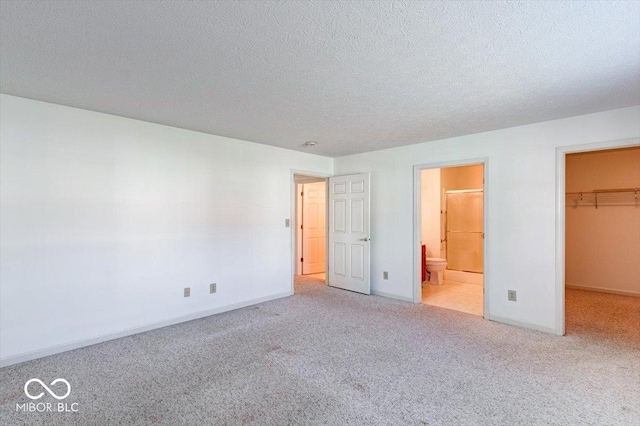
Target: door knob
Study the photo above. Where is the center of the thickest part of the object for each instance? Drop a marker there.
(365, 239)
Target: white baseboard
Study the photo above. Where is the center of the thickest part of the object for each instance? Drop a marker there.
(392, 296)
(604, 290)
(52, 350)
(521, 324)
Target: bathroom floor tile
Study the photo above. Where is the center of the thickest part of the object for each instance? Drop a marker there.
(454, 295)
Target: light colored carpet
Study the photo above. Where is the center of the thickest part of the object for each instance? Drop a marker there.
(331, 357)
(598, 317)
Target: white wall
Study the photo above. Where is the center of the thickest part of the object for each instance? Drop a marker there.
(430, 211)
(520, 184)
(104, 220)
(603, 244)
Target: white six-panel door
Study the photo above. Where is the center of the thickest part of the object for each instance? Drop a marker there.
(349, 242)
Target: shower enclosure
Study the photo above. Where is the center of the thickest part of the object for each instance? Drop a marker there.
(464, 230)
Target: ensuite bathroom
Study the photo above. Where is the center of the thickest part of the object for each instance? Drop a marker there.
(452, 237)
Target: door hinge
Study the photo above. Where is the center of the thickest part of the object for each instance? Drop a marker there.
(301, 227)
(301, 260)
(301, 194)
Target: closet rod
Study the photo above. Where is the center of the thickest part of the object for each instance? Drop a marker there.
(603, 191)
(618, 190)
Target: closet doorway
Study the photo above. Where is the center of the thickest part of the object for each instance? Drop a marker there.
(602, 244)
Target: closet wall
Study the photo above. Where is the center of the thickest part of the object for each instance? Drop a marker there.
(603, 244)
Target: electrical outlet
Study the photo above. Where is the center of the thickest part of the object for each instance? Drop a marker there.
(212, 288)
(287, 223)
(187, 291)
(385, 275)
(511, 295)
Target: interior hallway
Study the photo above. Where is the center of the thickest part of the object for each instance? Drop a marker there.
(320, 276)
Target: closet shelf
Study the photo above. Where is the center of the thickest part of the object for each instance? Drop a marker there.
(604, 197)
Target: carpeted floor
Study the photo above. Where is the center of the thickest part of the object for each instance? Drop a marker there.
(602, 317)
(331, 357)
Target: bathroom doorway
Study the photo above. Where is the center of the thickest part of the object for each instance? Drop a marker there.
(451, 223)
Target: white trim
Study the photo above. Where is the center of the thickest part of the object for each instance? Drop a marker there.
(604, 290)
(293, 222)
(521, 324)
(561, 153)
(417, 273)
(391, 296)
(298, 251)
(52, 350)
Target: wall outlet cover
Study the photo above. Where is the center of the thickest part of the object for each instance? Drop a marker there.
(187, 291)
(511, 295)
(212, 288)
(385, 275)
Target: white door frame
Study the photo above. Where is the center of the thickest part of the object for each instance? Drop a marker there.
(561, 153)
(417, 225)
(293, 221)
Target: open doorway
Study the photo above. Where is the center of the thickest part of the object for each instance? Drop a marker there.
(451, 221)
(602, 244)
(310, 229)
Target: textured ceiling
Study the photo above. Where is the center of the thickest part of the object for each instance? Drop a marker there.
(354, 76)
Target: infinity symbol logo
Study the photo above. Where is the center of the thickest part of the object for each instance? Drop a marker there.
(26, 390)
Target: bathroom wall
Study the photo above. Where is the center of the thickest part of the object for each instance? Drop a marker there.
(603, 245)
(430, 211)
(433, 184)
(468, 245)
(465, 177)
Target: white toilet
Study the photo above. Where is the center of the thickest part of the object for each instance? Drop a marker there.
(435, 269)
